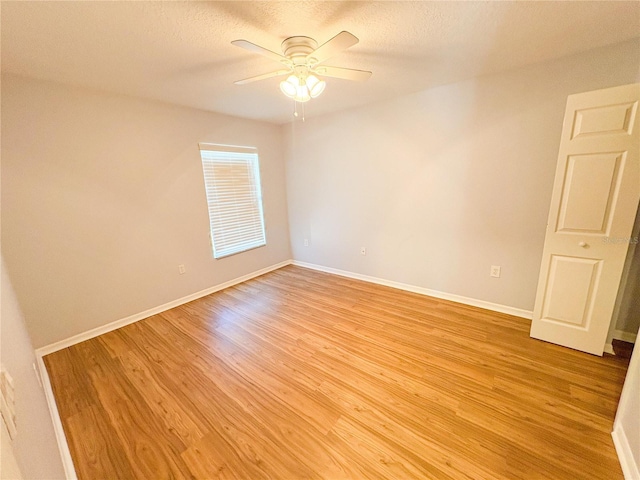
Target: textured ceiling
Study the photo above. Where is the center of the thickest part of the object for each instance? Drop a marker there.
(180, 52)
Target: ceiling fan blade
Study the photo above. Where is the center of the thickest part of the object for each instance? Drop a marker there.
(345, 73)
(277, 73)
(337, 44)
(252, 47)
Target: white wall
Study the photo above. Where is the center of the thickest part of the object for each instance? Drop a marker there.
(103, 198)
(441, 184)
(34, 446)
(629, 316)
(627, 308)
(9, 468)
(626, 429)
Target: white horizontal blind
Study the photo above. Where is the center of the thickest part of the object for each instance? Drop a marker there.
(234, 196)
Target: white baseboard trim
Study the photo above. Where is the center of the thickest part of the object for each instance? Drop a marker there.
(630, 469)
(94, 332)
(518, 312)
(63, 446)
(625, 336)
(608, 348)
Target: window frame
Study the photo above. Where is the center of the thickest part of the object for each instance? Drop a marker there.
(250, 157)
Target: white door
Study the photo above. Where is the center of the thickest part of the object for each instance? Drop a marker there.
(593, 207)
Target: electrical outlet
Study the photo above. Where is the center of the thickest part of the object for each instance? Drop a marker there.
(306, 242)
(181, 269)
(363, 250)
(495, 271)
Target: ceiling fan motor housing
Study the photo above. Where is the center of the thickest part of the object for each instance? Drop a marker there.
(297, 49)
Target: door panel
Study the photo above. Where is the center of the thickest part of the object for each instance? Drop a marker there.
(589, 193)
(604, 119)
(570, 291)
(593, 206)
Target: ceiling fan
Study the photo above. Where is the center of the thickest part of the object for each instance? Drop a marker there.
(303, 60)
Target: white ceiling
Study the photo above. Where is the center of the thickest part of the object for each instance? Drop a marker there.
(180, 52)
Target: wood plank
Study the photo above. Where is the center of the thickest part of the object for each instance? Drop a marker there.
(300, 374)
(96, 442)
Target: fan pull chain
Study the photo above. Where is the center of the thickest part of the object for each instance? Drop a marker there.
(295, 109)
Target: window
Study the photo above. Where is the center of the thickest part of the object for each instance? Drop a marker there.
(234, 196)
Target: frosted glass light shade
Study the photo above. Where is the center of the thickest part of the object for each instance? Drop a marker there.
(302, 95)
(315, 86)
(302, 90)
(290, 86)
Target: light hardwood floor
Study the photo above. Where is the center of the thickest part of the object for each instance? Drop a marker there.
(300, 374)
